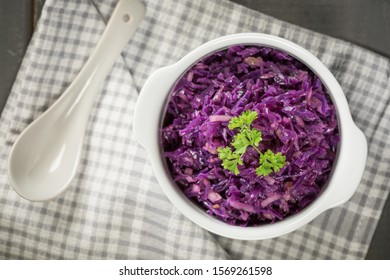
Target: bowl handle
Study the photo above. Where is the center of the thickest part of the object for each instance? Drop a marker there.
(149, 107)
(349, 174)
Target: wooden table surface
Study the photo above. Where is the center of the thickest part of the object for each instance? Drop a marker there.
(363, 22)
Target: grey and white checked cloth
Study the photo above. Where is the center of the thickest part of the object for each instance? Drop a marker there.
(114, 208)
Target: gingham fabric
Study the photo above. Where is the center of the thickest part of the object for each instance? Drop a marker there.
(114, 208)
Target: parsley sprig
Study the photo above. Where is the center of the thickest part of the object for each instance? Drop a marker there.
(269, 161)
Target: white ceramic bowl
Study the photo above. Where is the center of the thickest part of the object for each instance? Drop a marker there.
(347, 170)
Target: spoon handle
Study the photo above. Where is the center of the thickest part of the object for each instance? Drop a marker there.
(122, 25)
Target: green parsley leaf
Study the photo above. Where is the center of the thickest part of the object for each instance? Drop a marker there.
(264, 169)
(241, 142)
(248, 117)
(229, 159)
(231, 165)
(255, 137)
(225, 153)
(270, 161)
(242, 121)
(235, 122)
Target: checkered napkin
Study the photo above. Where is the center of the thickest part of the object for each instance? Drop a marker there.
(114, 208)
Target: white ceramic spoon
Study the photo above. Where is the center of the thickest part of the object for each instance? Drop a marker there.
(44, 159)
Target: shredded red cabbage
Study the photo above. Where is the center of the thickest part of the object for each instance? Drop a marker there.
(296, 118)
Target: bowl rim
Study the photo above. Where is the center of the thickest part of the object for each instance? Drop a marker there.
(164, 79)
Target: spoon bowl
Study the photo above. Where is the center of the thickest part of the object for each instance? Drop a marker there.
(45, 157)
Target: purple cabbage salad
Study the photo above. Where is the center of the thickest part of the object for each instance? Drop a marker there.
(296, 119)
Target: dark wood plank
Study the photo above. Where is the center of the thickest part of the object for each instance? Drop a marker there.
(15, 29)
(380, 244)
(37, 8)
(366, 23)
